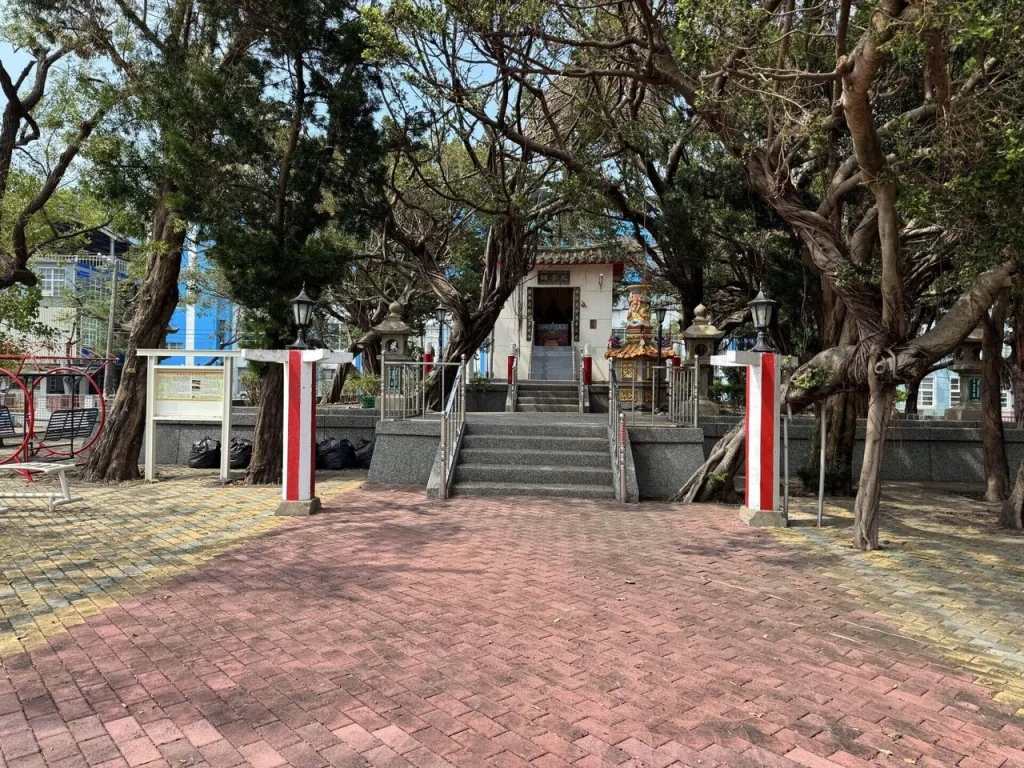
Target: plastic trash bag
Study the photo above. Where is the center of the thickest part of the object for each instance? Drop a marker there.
(333, 453)
(240, 453)
(364, 453)
(205, 454)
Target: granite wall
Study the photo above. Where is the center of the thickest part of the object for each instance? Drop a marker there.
(664, 458)
(915, 450)
(174, 438)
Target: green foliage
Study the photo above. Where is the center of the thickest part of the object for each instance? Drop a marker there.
(19, 315)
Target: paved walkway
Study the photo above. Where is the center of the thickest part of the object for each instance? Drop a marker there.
(390, 631)
(948, 576)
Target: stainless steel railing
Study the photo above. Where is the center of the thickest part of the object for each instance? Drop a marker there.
(514, 386)
(680, 384)
(405, 384)
(581, 390)
(617, 422)
(453, 426)
(683, 394)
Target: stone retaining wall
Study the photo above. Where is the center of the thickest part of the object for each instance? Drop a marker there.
(927, 450)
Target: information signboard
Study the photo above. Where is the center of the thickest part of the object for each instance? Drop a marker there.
(190, 392)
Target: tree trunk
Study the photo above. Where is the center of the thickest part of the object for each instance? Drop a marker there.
(333, 396)
(869, 491)
(1012, 515)
(997, 471)
(716, 478)
(115, 456)
(465, 341)
(913, 392)
(268, 434)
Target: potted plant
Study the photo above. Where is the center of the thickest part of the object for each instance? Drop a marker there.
(369, 386)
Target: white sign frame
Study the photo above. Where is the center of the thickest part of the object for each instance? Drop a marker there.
(152, 417)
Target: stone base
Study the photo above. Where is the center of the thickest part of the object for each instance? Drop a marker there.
(970, 412)
(708, 408)
(762, 518)
(299, 508)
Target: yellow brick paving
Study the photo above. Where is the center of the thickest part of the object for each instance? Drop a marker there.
(60, 568)
(947, 577)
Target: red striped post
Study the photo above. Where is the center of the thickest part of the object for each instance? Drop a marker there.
(299, 464)
(762, 442)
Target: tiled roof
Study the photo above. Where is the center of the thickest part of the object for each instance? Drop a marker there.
(610, 253)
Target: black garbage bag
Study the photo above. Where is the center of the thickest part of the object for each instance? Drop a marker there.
(333, 453)
(205, 454)
(364, 452)
(240, 453)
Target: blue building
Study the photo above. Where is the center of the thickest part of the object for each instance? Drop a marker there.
(203, 319)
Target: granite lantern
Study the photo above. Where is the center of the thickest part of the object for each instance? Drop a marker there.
(394, 335)
(701, 342)
(967, 364)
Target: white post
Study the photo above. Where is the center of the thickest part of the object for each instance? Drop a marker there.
(108, 372)
(821, 467)
(298, 489)
(225, 422)
(150, 421)
(761, 497)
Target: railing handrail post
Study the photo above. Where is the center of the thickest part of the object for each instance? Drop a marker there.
(383, 386)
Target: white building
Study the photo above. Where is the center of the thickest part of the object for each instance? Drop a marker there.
(564, 304)
(68, 283)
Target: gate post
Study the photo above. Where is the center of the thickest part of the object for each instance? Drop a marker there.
(298, 475)
(762, 424)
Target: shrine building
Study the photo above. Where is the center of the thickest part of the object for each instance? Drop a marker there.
(563, 304)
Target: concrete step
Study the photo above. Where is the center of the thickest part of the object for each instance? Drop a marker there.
(548, 386)
(547, 407)
(563, 445)
(559, 430)
(490, 456)
(475, 488)
(536, 398)
(534, 475)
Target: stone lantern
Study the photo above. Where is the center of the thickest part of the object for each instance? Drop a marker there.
(967, 364)
(701, 342)
(394, 335)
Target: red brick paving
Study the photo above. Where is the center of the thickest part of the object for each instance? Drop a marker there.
(394, 632)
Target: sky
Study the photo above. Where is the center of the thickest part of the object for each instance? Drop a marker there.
(13, 61)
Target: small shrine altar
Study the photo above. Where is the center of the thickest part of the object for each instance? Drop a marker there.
(636, 360)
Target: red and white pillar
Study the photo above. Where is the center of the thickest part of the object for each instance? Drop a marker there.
(763, 435)
(298, 486)
(299, 470)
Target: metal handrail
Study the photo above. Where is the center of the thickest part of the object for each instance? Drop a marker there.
(453, 426)
(515, 376)
(580, 387)
(617, 422)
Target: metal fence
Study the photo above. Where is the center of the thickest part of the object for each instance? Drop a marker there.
(405, 386)
(678, 384)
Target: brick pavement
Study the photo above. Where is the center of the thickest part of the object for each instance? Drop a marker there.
(949, 576)
(390, 631)
(60, 568)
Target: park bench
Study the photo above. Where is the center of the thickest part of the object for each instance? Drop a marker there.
(66, 426)
(7, 425)
(53, 498)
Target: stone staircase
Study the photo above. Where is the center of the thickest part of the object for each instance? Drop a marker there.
(517, 459)
(547, 397)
